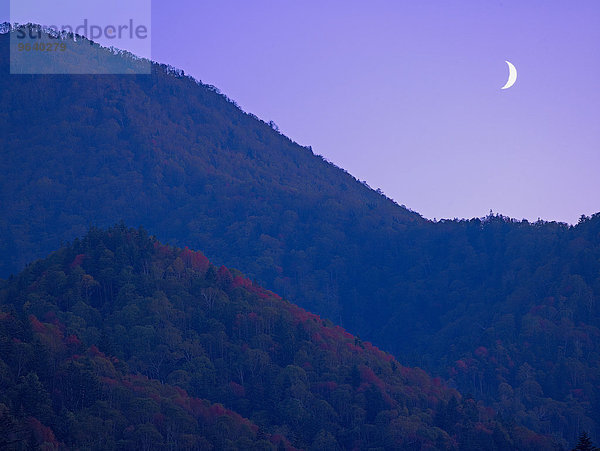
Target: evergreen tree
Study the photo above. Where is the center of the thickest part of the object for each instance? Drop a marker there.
(585, 443)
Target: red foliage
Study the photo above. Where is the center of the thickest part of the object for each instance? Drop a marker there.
(50, 317)
(378, 352)
(72, 340)
(481, 428)
(94, 351)
(367, 375)
(180, 391)
(300, 315)
(110, 382)
(201, 408)
(237, 389)
(36, 325)
(195, 260)
(481, 351)
(461, 365)
(316, 337)
(353, 347)
(242, 282)
(77, 261)
(577, 392)
(489, 412)
(224, 276)
(162, 249)
(278, 439)
(43, 434)
(273, 295)
(344, 333)
(217, 410)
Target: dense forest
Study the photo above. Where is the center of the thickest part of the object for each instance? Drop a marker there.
(118, 341)
(505, 310)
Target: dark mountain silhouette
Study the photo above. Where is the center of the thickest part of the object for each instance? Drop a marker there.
(505, 310)
(120, 330)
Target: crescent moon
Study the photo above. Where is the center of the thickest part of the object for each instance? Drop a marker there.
(512, 75)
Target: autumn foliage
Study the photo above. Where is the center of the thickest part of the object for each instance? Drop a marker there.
(175, 352)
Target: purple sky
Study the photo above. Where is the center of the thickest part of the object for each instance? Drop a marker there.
(406, 94)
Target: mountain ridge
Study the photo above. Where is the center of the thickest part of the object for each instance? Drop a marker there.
(125, 304)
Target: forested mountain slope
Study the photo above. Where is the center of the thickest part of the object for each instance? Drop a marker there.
(508, 311)
(108, 342)
(176, 156)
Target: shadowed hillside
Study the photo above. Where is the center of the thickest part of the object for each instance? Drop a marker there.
(120, 329)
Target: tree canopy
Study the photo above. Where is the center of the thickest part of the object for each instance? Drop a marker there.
(118, 340)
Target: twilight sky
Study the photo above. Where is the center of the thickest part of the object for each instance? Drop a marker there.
(406, 94)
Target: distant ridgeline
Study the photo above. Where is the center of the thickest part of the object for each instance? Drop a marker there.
(35, 49)
(120, 342)
(507, 311)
